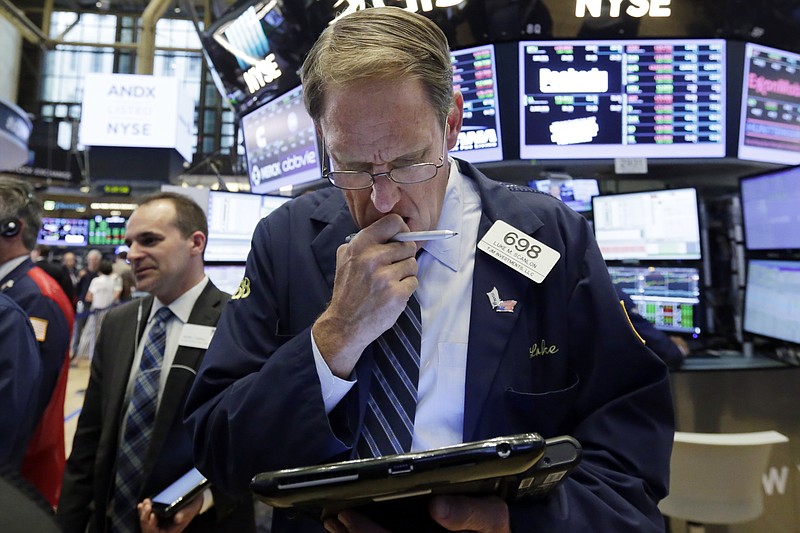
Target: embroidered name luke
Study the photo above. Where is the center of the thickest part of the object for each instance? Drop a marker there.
(543, 349)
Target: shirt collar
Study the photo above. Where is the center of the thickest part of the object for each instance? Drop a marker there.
(9, 266)
(182, 306)
(447, 251)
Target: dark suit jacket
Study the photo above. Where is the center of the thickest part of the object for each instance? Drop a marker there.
(566, 361)
(89, 477)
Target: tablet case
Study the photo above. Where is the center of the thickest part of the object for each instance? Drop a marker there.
(395, 489)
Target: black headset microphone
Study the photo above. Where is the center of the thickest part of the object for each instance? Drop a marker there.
(9, 227)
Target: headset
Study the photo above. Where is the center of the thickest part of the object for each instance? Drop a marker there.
(11, 226)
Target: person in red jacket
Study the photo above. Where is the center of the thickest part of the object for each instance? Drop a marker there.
(51, 315)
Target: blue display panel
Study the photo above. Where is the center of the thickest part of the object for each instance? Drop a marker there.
(772, 299)
(281, 144)
(668, 297)
(770, 211)
(770, 120)
(63, 232)
(576, 193)
(609, 99)
(475, 75)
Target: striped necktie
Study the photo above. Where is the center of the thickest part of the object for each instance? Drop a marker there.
(389, 420)
(139, 419)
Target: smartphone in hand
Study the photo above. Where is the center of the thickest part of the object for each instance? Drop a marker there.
(175, 497)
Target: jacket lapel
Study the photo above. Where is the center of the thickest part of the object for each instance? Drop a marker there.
(489, 330)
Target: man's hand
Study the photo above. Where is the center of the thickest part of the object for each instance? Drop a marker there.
(455, 513)
(374, 280)
(149, 521)
(463, 513)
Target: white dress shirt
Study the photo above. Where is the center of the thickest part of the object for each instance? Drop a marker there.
(445, 294)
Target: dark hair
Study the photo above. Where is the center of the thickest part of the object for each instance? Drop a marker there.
(105, 267)
(17, 201)
(189, 217)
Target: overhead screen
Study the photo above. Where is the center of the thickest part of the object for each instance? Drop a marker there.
(281, 144)
(770, 118)
(475, 75)
(771, 210)
(648, 225)
(63, 232)
(106, 230)
(668, 297)
(232, 218)
(611, 99)
(772, 299)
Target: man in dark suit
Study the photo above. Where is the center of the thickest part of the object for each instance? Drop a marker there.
(521, 330)
(167, 237)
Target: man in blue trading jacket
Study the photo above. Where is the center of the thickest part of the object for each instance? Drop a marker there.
(286, 380)
(51, 315)
(112, 472)
(19, 382)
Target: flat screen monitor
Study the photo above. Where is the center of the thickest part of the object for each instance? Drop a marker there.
(107, 230)
(475, 75)
(232, 218)
(770, 120)
(771, 210)
(648, 225)
(772, 299)
(576, 193)
(281, 144)
(255, 50)
(622, 99)
(226, 277)
(63, 232)
(668, 297)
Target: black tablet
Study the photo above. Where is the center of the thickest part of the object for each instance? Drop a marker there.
(512, 467)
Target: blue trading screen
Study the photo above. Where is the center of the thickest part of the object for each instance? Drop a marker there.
(772, 299)
(668, 297)
(63, 232)
(769, 209)
(608, 99)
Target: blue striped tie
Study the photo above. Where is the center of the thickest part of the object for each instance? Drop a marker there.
(389, 420)
(139, 419)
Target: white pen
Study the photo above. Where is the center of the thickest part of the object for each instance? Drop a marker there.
(410, 236)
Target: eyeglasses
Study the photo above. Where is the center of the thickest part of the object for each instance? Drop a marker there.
(352, 180)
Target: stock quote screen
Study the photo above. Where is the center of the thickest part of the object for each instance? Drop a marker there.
(668, 297)
(475, 75)
(770, 120)
(607, 99)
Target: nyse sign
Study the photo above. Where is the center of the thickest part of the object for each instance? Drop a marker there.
(636, 9)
